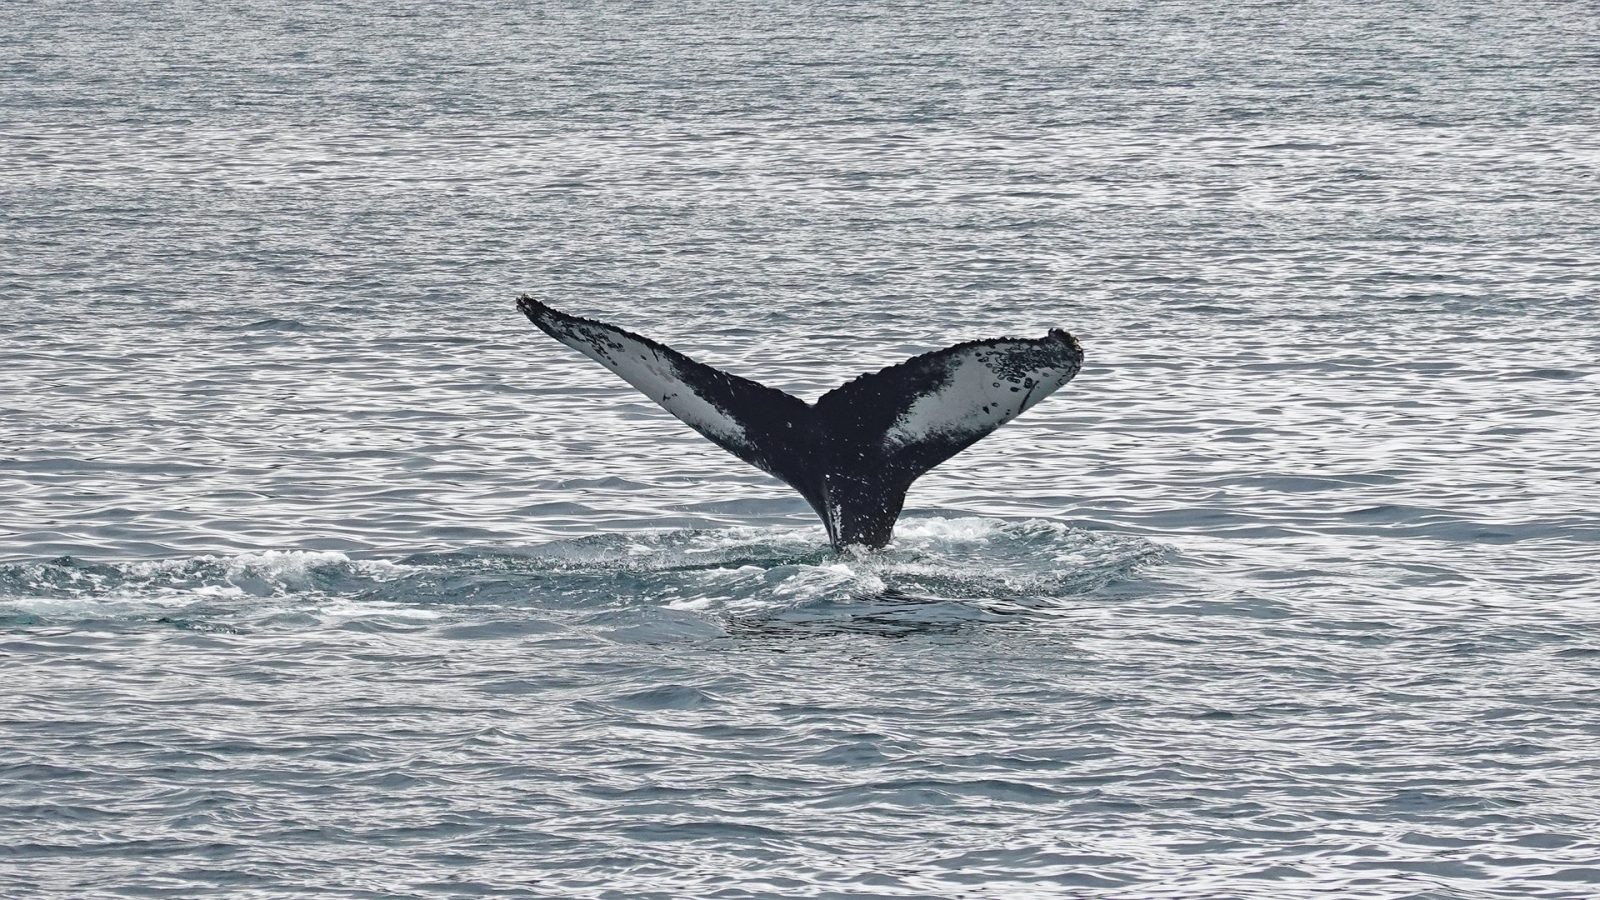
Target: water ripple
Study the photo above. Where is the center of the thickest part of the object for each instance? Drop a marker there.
(321, 573)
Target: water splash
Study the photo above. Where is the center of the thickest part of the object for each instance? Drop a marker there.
(739, 572)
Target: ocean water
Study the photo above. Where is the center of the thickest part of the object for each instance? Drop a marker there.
(322, 573)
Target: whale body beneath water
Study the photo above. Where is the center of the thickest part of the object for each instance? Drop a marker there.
(853, 453)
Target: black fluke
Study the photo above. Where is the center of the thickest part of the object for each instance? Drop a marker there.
(855, 452)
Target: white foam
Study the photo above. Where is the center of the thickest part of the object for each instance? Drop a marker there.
(282, 564)
(841, 580)
(964, 530)
(158, 586)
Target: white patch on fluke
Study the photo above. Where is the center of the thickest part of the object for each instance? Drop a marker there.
(640, 365)
(976, 399)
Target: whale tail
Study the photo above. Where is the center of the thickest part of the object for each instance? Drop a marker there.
(855, 452)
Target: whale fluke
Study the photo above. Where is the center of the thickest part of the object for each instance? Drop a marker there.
(854, 453)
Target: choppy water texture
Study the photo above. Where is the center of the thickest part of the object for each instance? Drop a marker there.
(323, 574)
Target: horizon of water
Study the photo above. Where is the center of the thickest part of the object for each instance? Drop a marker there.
(323, 572)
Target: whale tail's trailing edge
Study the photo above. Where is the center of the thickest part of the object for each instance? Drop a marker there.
(855, 452)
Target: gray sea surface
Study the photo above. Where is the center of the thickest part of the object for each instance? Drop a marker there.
(322, 573)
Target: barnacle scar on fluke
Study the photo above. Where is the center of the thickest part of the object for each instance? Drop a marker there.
(855, 452)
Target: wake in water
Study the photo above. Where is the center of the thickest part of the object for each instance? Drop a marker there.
(968, 569)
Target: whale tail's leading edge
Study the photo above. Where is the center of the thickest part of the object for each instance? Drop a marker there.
(855, 452)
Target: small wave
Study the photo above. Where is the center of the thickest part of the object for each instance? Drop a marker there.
(67, 588)
(291, 326)
(954, 569)
(937, 571)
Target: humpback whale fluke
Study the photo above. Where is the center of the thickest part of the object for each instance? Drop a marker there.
(855, 452)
